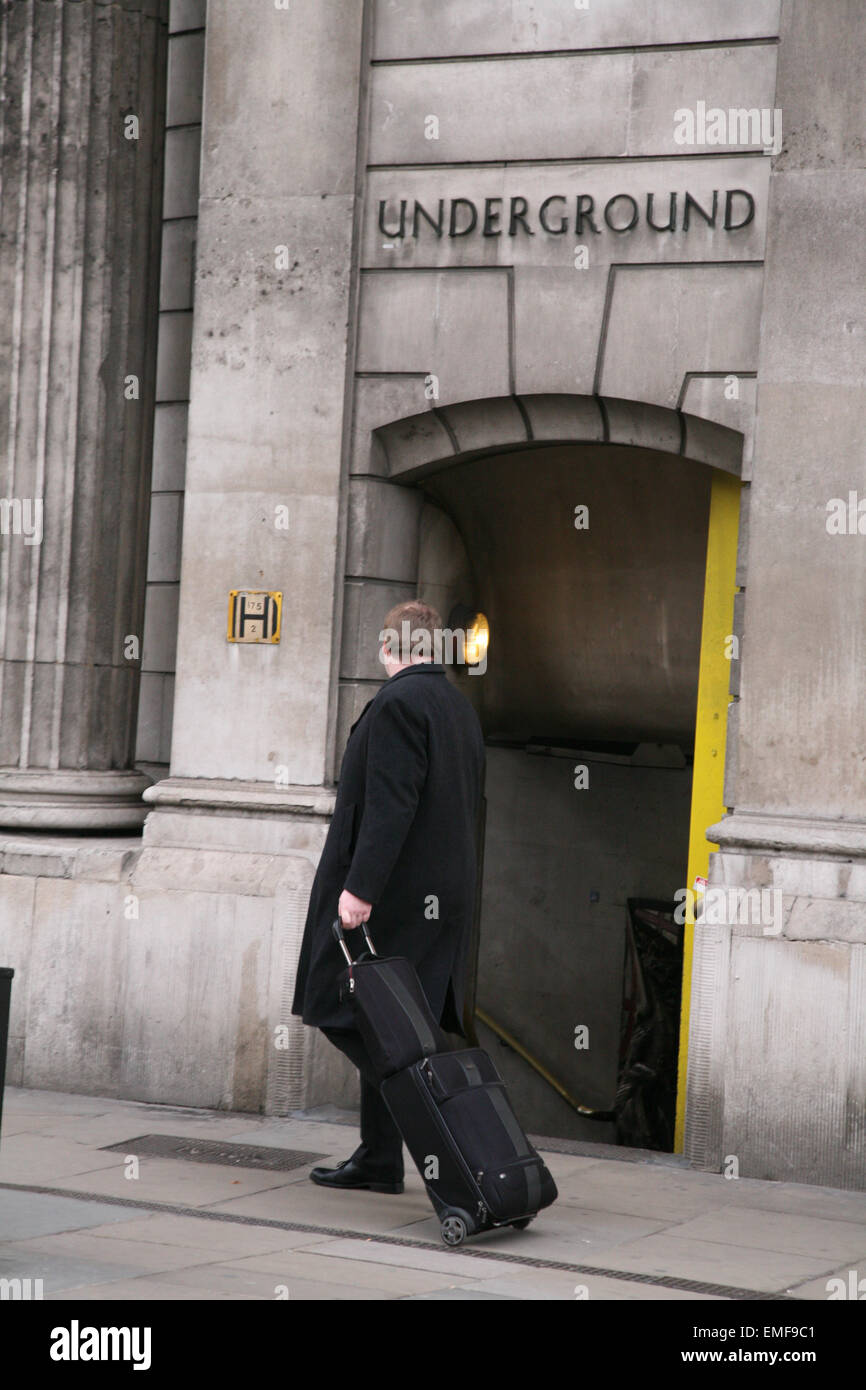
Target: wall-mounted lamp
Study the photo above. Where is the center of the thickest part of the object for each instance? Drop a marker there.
(476, 630)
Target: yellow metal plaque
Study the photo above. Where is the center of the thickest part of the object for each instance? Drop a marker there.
(254, 615)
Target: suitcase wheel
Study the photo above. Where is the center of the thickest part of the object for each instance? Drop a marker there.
(455, 1227)
(522, 1224)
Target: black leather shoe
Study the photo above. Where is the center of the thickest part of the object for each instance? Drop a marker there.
(351, 1173)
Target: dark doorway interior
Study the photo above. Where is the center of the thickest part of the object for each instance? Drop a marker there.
(588, 706)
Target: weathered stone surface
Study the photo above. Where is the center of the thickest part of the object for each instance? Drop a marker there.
(563, 417)
(452, 325)
(485, 424)
(705, 318)
(221, 932)
(517, 108)
(79, 435)
(415, 29)
(794, 1065)
(382, 541)
(642, 426)
(260, 354)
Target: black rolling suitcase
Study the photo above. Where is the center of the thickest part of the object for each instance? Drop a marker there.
(479, 1168)
(451, 1108)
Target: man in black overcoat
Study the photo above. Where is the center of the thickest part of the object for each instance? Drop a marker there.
(401, 855)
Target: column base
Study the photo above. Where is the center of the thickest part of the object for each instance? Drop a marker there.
(72, 799)
(777, 1038)
(234, 815)
(162, 969)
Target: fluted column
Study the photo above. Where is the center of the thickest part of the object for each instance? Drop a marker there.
(83, 118)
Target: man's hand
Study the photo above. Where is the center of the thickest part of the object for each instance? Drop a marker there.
(353, 911)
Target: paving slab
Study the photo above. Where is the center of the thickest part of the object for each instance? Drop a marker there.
(442, 1261)
(824, 1242)
(114, 1121)
(30, 1101)
(126, 1252)
(175, 1180)
(371, 1212)
(571, 1234)
(665, 1195)
(532, 1285)
(336, 1140)
(827, 1203)
(59, 1271)
(27, 1214)
(237, 1282)
(462, 1295)
(220, 1238)
(146, 1288)
(22, 1124)
(853, 1276)
(566, 1166)
(331, 1114)
(39, 1159)
(306, 1265)
(125, 1126)
(710, 1262)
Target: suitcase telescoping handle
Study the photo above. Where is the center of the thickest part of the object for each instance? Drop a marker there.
(337, 929)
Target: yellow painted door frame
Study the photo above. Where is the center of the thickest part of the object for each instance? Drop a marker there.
(710, 729)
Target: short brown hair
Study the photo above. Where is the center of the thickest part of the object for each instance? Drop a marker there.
(410, 621)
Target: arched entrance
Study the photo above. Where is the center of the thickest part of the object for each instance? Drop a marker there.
(586, 530)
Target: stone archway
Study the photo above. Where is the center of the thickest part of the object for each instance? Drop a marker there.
(444, 435)
(496, 466)
(388, 523)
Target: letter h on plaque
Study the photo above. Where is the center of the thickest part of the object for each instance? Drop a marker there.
(254, 615)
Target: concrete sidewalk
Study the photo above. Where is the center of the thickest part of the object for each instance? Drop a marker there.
(627, 1225)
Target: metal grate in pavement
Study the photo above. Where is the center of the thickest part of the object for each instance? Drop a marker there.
(272, 1159)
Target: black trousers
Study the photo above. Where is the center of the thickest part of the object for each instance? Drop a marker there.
(381, 1142)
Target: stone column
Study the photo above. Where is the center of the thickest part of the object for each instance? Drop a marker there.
(82, 137)
(777, 1076)
(264, 504)
(231, 844)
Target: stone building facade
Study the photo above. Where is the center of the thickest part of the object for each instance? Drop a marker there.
(547, 310)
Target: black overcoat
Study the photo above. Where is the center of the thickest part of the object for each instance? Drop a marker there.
(402, 837)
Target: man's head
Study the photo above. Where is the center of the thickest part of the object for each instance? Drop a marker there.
(410, 634)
